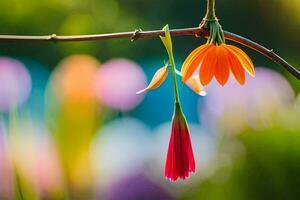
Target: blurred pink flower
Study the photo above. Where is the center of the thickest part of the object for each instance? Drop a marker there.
(35, 158)
(15, 84)
(117, 82)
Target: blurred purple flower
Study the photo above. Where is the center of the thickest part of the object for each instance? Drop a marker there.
(117, 82)
(136, 187)
(253, 104)
(15, 84)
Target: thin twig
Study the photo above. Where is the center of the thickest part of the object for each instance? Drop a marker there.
(269, 53)
(138, 34)
(75, 38)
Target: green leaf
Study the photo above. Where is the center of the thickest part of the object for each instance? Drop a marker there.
(167, 41)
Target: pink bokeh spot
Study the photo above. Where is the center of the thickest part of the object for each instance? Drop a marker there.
(15, 83)
(117, 82)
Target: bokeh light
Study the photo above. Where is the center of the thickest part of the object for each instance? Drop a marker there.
(72, 116)
(117, 82)
(15, 84)
(73, 79)
(35, 157)
(255, 104)
(136, 186)
(122, 147)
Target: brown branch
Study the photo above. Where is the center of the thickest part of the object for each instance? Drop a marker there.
(75, 38)
(269, 53)
(197, 31)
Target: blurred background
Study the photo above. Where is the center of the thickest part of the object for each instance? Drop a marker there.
(72, 127)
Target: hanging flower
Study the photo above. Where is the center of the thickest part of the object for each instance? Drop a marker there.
(180, 158)
(217, 59)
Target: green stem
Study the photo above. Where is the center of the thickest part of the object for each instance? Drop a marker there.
(176, 94)
(210, 10)
(167, 41)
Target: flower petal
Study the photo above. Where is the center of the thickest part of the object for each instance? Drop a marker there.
(222, 65)
(236, 67)
(191, 57)
(207, 66)
(158, 78)
(194, 84)
(192, 61)
(244, 59)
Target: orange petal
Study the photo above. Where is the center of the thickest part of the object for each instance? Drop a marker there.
(192, 62)
(207, 66)
(158, 78)
(244, 58)
(194, 84)
(236, 67)
(191, 57)
(222, 65)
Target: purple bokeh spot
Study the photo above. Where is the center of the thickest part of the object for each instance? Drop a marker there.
(136, 187)
(15, 84)
(266, 90)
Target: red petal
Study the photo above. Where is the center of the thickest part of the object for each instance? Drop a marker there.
(180, 158)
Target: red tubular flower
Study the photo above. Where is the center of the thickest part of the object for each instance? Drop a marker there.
(180, 158)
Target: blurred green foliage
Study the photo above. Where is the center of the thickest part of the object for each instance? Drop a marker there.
(270, 170)
(257, 164)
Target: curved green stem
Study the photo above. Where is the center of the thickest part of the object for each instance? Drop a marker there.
(167, 41)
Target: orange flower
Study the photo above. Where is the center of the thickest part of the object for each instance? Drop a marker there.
(217, 60)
